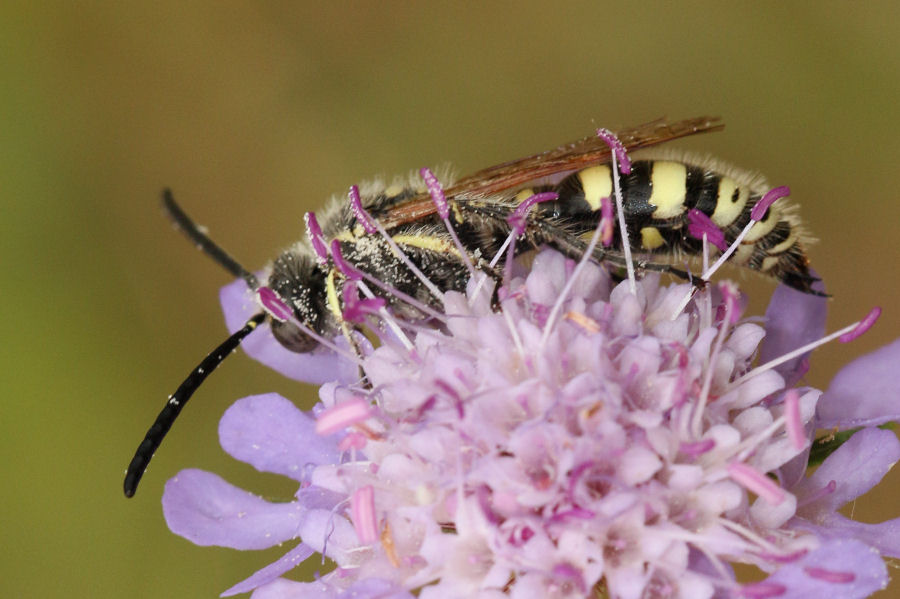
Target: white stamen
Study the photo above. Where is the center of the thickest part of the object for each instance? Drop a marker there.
(400, 254)
(791, 355)
(623, 229)
(484, 277)
(422, 307)
(589, 252)
(727, 254)
(443, 206)
(700, 408)
(387, 317)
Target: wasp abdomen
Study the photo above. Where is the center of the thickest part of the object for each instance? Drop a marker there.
(657, 197)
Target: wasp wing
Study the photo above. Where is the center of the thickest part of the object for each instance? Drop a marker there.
(568, 157)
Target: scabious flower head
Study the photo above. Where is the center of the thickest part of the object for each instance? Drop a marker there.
(562, 436)
(610, 448)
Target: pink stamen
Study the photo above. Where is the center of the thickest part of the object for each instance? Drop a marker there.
(697, 448)
(616, 146)
(356, 309)
(352, 440)
(762, 590)
(316, 238)
(624, 166)
(406, 261)
(758, 212)
(360, 213)
(756, 482)
(362, 513)
(576, 513)
(732, 301)
(342, 415)
(792, 423)
(570, 574)
(435, 191)
(443, 208)
(607, 221)
(864, 325)
(787, 558)
(342, 265)
(519, 217)
(575, 476)
(454, 395)
(829, 575)
(396, 293)
(273, 304)
(857, 329)
(617, 149)
(699, 224)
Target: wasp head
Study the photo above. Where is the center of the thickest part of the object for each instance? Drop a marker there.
(299, 283)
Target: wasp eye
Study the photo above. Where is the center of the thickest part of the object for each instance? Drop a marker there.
(292, 337)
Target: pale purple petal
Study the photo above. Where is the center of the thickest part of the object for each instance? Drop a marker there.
(795, 469)
(517, 454)
(318, 366)
(288, 561)
(847, 569)
(866, 392)
(370, 588)
(793, 319)
(270, 433)
(856, 466)
(700, 564)
(207, 510)
(281, 588)
(883, 536)
(375, 588)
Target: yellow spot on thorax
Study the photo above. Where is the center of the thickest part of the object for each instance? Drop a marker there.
(345, 235)
(427, 242)
(457, 215)
(393, 190)
(331, 296)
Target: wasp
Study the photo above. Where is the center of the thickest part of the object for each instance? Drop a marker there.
(301, 299)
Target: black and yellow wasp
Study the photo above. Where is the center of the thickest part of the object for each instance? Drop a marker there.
(657, 195)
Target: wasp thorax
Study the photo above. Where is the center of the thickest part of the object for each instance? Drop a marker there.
(298, 281)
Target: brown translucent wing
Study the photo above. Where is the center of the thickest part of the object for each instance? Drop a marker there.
(569, 157)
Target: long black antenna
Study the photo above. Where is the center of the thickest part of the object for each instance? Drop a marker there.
(177, 401)
(204, 243)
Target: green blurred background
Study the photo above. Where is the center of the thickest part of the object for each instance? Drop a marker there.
(256, 112)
